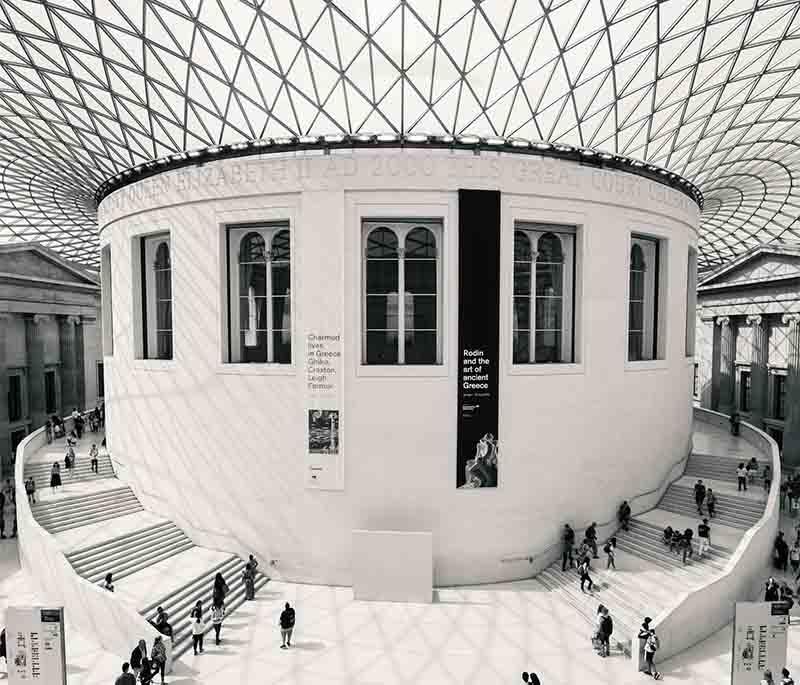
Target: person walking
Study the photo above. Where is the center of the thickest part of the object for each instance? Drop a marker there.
(767, 476)
(784, 493)
(781, 552)
(30, 490)
(711, 503)
(161, 623)
(55, 477)
(624, 515)
(606, 629)
(611, 552)
(249, 580)
(159, 657)
(220, 590)
(734, 420)
(567, 543)
(699, 495)
(139, 652)
(69, 461)
(591, 538)
(93, 454)
(198, 629)
(583, 570)
(598, 626)
(703, 538)
(108, 583)
(644, 633)
(126, 677)
(650, 648)
(741, 477)
(197, 611)
(147, 672)
(686, 543)
(217, 616)
(287, 621)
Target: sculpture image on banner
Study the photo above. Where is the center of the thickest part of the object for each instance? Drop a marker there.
(759, 640)
(323, 431)
(35, 645)
(481, 470)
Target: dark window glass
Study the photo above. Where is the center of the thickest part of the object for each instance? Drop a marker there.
(695, 388)
(780, 397)
(549, 298)
(163, 280)
(382, 301)
(101, 380)
(744, 391)
(419, 270)
(382, 347)
(637, 327)
(523, 269)
(14, 398)
(50, 392)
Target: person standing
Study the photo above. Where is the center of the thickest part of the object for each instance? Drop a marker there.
(611, 551)
(650, 648)
(198, 629)
(220, 590)
(126, 677)
(108, 583)
(55, 477)
(711, 503)
(741, 477)
(781, 552)
(644, 633)
(624, 515)
(583, 570)
(287, 621)
(139, 652)
(767, 476)
(249, 580)
(699, 495)
(93, 454)
(217, 616)
(567, 543)
(591, 537)
(606, 629)
(734, 424)
(703, 538)
(197, 611)
(30, 490)
(159, 656)
(686, 543)
(794, 558)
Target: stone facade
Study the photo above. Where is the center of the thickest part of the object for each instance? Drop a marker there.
(50, 341)
(748, 342)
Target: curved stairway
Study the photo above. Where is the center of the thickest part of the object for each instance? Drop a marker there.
(649, 577)
(86, 512)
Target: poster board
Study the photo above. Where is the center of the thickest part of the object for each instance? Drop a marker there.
(760, 638)
(35, 645)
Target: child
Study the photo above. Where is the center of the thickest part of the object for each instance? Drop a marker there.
(198, 628)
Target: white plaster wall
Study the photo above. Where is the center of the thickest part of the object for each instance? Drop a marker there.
(221, 448)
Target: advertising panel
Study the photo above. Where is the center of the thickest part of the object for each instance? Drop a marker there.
(35, 646)
(478, 338)
(324, 456)
(759, 641)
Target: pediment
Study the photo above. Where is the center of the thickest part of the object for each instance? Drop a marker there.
(760, 266)
(35, 262)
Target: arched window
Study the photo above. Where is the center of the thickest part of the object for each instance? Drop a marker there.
(642, 299)
(260, 306)
(543, 292)
(163, 280)
(401, 293)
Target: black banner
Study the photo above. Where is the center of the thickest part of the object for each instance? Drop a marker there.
(478, 337)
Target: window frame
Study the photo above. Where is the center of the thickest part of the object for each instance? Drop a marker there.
(23, 397)
(659, 342)
(107, 300)
(56, 394)
(101, 377)
(144, 252)
(744, 389)
(696, 380)
(774, 395)
(691, 302)
(267, 229)
(402, 226)
(569, 288)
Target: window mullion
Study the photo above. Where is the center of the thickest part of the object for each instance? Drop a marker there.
(401, 307)
(532, 298)
(270, 323)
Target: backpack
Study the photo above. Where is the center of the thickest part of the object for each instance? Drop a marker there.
(607, 548)
(607, 625)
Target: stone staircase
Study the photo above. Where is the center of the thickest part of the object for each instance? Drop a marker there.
(719, 468)
(135, 551)
(650, 577)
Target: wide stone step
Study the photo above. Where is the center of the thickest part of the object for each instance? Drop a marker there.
(719, 511)
(721, 520)
(127, 567)
(725, 501)
(102, 515)
(85, 509)
(694, 570)
(78, 555)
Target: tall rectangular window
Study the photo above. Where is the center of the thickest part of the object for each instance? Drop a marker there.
(259, 293)
(643, 298)
(14, 398)
(779, 397)
(50, 399)
(544, 294)
(156, 298)
(691, 301)
(744, 390)
(695, 382)
(401, 292)
(101, 380)
(107, 318)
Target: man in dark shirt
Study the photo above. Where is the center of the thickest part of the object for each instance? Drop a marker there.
(287, 626)
(699, 495)
(568, 542)
(624, 515)
(591, 537)
(125, 678)
(686, 543)
(703, 538)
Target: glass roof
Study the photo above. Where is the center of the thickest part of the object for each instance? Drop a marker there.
(706, 88)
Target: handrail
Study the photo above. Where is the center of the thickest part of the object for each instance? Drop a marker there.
(556, 545)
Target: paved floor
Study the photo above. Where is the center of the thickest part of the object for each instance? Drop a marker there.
(482, 635)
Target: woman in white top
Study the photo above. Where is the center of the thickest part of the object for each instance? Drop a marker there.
(741, 476)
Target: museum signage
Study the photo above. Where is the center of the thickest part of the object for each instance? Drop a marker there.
(478, 337)
(35, 646)
(759, 640)
(323, 381)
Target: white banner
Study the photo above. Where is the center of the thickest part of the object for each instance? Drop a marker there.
(35, 645)
(759, 641)
(323, 419)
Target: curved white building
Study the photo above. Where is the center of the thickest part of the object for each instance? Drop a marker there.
(306, 342)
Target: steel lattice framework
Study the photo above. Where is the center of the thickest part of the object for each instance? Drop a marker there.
(706, 88)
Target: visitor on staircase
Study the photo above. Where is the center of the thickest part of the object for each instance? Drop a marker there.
(781, 553)
(669, 537)
(768, 679)
(531, 679)
(711, 503)
(220, 590)
(48, 431)
(55, 477)
(69, 460)
(784, 494)
(771, 591)
(767, 476)
(287, 621)
(794, 557)
(108, 582)
(139, 652)
(197, 612)
(217, 616)
(741, 477)
(606, 629)
(198, 629)
(159, 655)
(686, 543)
(624, 515)
(752, 470)
(249, 578)
(583, 570)
(567, 543)
(703, 538)
(126, 677)
(93, 454)
(734, 421)
(611, 551)
(161, 622)
(598, 626)
(591, 537)
(644, 633)
(146, 674)
(699, 496)
(30, 490)
(650, 648)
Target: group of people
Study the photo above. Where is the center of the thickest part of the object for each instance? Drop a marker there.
(769, 679)
(790, 494)
(603, 629)
(55, 427)
(683, 543)
(704, 495)
(69, 464)
(142, 667)
(8, 510)
(746, 473)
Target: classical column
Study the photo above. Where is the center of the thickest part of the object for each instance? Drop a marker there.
(791, 431)
(80, 365)
(67, 345)
(727, 359)
(6, 321)
(758, 371)
(35, 344)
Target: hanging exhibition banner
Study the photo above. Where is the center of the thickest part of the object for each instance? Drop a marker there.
(478, 337)
(759, 640)
(324, 457)
(35, 646)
